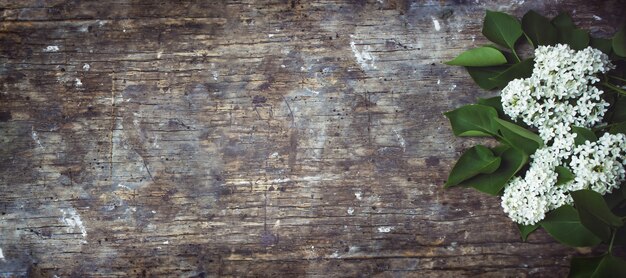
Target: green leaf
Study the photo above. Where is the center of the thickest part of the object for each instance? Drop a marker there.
(495, 102)
(472, 120)
(620, 236)
(526, 230)
(476, 160)
(482, 76)
(564, 175)
(610, 266)
(563, 21)
(518, 137)
(577, 39)
(479, 57)
(582, 135)
(539, 29)
(594, 213)
(583, 267)
(619, 42)
(614, 198)
(523, 69)
(564, 225)
(598, 267)
(618, 128)
(512, 161)
(502, 29)
(619, 113)
(500, 149)
(603, 45)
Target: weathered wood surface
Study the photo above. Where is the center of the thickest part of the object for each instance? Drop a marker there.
(249, 138)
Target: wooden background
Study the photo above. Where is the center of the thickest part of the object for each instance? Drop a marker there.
(250, 138)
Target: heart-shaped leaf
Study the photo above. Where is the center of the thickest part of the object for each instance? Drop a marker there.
(564, 175)
(518, 137)
(526, 230)
(563, 21)
(619, 113)
(598, 267)
(619, 42)
(583, 135)
(523, 69)
(603, 45)
(476, 160)
(479, 57)
(472, 120)
(618, 128)
(577, 39)
(539, 29)
(564, 225)
(512, 161)
(502, 29)
(594, 213)
(482, 76)
(583, 267)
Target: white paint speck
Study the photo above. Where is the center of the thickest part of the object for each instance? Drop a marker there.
(274, 155)
(438, 81)
(400, 139)
(312, 91)
(86, 67)
(452, 87)
(597, 18)
(72, 220)
(277, 224)
(350, 211)
(166, 242)
(358, 195)
(153, 212)
(159, 53)
(335, 255)
(124, 186)
(78, 82)
(270, 35)
(35, 137)
(473, 38)
(155, 144)
(436, 24)
(136, 119)
(2, 256)
(283, 66)
(363, 56)
(51, 48)
(385, 229)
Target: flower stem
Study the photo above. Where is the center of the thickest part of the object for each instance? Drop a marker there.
(614, 232)
(515, 54)
(618, 78)
(617, 89)
(605, 127)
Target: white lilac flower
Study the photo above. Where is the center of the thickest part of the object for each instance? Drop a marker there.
(599, 165)
(559, 90)
(560, 94)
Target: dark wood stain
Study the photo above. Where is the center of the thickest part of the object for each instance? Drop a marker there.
(249, 138)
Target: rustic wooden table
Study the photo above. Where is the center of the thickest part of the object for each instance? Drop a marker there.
(249, 138)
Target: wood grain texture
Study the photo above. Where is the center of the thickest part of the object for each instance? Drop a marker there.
(249, 138)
